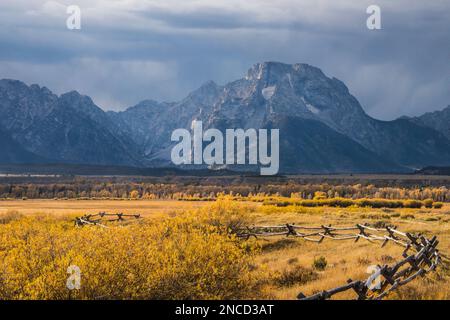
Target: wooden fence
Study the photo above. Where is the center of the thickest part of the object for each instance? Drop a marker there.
(420, 255)
(102, 218)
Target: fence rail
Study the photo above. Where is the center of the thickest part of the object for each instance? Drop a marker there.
(420, 255)
(101, 218)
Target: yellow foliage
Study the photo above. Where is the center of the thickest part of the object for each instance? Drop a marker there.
(134, 194)
(226, 215)
(320, 195)
(185, 257)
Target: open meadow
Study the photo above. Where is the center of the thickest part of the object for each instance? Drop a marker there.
(185, 250)
(148, 208)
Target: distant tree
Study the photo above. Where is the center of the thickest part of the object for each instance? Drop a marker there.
(104, 194)
(319, 195)
(134, 194)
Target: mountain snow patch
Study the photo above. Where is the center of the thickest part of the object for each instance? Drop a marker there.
(268, 92)
(290, 79)
(310, 107)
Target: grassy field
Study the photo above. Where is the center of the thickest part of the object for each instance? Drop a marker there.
(346, 259)
(148, 208)
(283, 267)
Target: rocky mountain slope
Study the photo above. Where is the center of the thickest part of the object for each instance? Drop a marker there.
(69, 128)
(12, 152)
(437, 120)
(297, 91)
(323, 128)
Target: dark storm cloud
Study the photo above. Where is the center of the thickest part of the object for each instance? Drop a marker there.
(131, 50)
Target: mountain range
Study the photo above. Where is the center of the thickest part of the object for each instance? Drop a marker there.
(323, 128)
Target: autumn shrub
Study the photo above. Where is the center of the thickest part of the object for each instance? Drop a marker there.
(415, 204)
(340, 202)
(428, 203)
(184, 257)
(10, 216)
(225, 215)
(438, 205)
(380, 203)
(294, 276)
(134, 194)
(320, 263)
(376, 203)
(278, 203)
(308, 203)
(320, 195)
(381, 224)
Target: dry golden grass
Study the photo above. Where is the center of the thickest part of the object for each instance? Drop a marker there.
(283, 266)
(148, 208)
(346, 259)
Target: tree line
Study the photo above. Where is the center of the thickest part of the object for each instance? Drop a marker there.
(204, 189)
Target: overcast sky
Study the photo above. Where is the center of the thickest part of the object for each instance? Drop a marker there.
(131, 50)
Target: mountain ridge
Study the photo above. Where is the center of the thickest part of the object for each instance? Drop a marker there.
(438, 120)
(308, 105)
